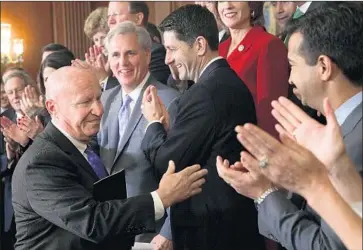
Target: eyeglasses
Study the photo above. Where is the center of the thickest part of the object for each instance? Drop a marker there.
(113, 14)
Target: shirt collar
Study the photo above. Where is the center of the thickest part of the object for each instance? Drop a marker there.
(18, 115)
(221, 34)
(209, 63)
(136, 92)
(79, 145)
(303, 8)
(2, 110)
(347, 108)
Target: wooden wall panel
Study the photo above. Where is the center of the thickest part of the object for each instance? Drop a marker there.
(68, 22)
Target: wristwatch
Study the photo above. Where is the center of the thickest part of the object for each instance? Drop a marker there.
(260, 199)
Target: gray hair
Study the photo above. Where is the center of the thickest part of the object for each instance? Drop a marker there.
(143, 37)
(19, 74)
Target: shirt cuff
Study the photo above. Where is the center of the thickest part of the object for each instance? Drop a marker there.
(357, 207)
(158, 206)
(151, 123)
(104, 83)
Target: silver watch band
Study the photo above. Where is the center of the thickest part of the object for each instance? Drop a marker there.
(260, 199)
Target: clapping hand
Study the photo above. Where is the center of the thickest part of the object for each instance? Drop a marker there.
(153, 108)
(12, 131)
(325, 141)
(31, 127)
(31, 102)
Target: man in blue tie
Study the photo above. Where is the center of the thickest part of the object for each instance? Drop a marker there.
(123, 125)
(53, 181)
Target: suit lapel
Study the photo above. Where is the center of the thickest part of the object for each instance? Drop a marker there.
(133, 121)
(68, 147)
(113, 130)
(352, 120)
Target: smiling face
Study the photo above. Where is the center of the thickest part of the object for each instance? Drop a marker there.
(235, 15)
(306, 78)
(283, 11)
(99, 40)
(76, 105)
(14, 88)
(119, 12)
(129, 61)
(181, 57)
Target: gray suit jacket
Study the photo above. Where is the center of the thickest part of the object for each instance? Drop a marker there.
(139, 174)
(279, 219)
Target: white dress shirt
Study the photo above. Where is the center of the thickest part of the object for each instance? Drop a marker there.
(303, 8)
(221, 34)
(357, 207)
(158, 205)
(344, 110)
(134, 95)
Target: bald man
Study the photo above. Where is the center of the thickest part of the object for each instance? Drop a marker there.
(53, 182)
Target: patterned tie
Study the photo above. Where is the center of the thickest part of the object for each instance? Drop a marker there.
(123, 117)
(96, 163)
(298, 13)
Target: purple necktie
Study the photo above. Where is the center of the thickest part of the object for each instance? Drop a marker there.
(96, 163)
(123, 117)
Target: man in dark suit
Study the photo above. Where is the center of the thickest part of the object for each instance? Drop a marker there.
(138, 12)
(301, 10)
(320, 58)
(53, 181)
(204, 127)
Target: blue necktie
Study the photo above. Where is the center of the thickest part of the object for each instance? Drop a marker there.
(96, 163)
(123, 117)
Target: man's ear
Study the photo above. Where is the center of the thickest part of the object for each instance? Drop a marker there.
(325, 67)
(51, 107)
(201, 45)
(139, 18)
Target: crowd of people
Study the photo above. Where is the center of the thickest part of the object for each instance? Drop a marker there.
(225, 136)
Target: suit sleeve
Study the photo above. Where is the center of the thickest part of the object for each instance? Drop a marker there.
(55, 194)
(272, 82)
(280, 220)
(157, 65)
(189, 137)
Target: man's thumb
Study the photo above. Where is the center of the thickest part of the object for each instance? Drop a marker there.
(171, 168)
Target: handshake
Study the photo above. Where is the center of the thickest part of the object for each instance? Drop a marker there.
(176, 187)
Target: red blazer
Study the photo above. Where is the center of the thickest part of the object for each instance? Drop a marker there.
(260, 60)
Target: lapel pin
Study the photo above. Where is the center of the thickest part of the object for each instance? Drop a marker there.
(241, 48)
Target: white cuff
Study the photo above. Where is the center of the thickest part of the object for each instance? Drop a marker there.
(357, 207)
(151, 123)
(158, 206)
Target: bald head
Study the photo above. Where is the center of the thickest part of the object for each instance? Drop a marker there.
(73, 101)
(67, 79)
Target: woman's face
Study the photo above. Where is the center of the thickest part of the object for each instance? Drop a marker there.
(46, 73)
(99, 40)
(235, 15)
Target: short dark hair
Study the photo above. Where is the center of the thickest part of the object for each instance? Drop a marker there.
(55, 60)
(191, 21)
(335, 31)
(140, 6)
(53, 47)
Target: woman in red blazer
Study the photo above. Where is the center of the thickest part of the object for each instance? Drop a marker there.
(259, 58)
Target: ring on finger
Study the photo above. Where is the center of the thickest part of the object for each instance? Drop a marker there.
(263, 163)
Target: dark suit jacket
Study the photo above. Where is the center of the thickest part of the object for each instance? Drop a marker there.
(111, 82)
(207, 113)
(158, 69)
(295, 228)
(54, 207)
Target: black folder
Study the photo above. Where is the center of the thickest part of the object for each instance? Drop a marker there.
(112, 187)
